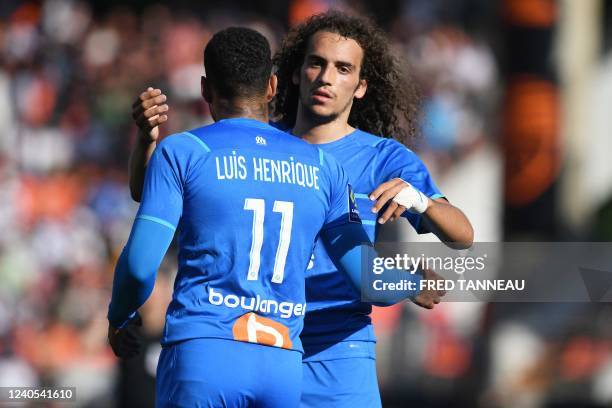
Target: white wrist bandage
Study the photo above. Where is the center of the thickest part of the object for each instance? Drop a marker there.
(412, 199)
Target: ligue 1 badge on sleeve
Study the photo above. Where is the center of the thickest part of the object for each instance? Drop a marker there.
(353, 210)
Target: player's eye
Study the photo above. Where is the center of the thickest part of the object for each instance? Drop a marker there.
(344, 69)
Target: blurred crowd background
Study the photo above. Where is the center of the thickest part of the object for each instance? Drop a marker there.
(514, 127)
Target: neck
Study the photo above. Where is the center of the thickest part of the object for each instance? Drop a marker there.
(240, 108)
(316, 130)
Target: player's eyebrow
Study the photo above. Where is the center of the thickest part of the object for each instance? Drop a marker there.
(345, 64)
(318, 58)
(315, 57)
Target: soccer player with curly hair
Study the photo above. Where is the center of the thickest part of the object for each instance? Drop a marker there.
(341, 88)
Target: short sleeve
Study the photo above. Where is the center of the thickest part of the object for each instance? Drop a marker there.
(162, 196)
(343, 207)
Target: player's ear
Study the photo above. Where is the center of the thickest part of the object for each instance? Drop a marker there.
(272, 86)
(362, 87)
(205, 89)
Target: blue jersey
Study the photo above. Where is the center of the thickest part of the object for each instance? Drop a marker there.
(247, 201)
(335, 313)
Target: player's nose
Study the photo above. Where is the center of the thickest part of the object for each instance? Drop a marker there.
(326, 77)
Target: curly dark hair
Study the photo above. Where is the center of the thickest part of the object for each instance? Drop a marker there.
(390, 105)
(238, 62)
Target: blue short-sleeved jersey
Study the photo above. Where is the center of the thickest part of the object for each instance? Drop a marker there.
(247, 201)
(335, 312)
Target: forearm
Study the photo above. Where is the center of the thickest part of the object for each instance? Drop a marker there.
(130, 291)
(136, 269)
(139, 158)
(449, 224)
(348, 246)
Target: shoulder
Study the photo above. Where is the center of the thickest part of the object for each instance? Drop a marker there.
(366, 139)
(391, 145)
(326, 160)
(331, 167)
(383, 147)
(390, 149)
(182, 143)
(181, 151)
(197, 140)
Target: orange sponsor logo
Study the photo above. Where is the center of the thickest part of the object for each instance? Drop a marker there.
(256, 329)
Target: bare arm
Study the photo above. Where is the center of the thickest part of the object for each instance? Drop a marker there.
(446, 221)
(449, 224)
(347, 245)
(148, 111)
(139, 158)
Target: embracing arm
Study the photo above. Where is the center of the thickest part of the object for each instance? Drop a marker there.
(348, 246)
(449, 224)
(446, 221)
(139, 158)
(148, 111)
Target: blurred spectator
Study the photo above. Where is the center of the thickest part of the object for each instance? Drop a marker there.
(69, 71)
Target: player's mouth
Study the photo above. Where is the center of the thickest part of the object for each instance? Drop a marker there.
(321, 95)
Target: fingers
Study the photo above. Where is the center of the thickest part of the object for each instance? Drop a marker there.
(158, 100)
(148, 99)
(125, 342)
(383, 187)
(385, 197)
(432, 275)
(397, 213)
(150, 111)
(152, 117)
(428, 304)
(154, 111)
(154, 121)
(146, 95)
(427, 299)
(385, 192)
(130, 341)
(147, 105)
(430, 297)
(388, 212)
(424, 301)
(434, 298)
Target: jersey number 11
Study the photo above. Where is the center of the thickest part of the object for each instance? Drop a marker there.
(258, 206)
